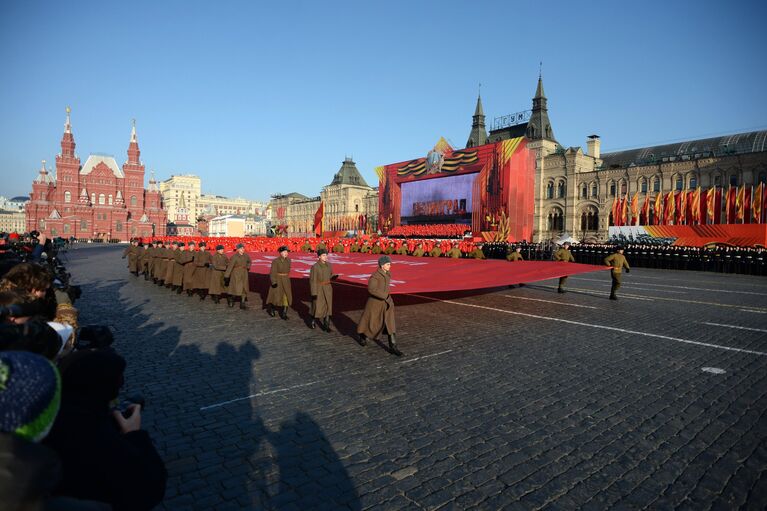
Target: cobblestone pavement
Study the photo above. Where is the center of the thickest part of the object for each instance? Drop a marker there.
(509, 399)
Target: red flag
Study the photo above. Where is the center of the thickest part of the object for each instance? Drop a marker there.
(614, 210)
(635, 209)
(625, 210)
(658, 209)
(740, 203)
(669, 208)
(646, 209)
(747, 205)
(318, 216)
(757, 205)
(730, 205)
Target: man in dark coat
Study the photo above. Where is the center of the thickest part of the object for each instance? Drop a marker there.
(237, 276)
(321, 290)
(105, 456)
(218, 265)
(281, 293)
(201, 270)
(378, 315)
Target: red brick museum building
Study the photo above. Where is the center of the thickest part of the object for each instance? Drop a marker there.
(97, 200)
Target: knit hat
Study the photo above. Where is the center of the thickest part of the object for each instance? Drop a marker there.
(383, 260)
(30, 394)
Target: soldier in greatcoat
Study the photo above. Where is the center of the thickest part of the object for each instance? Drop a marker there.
(617, 261)
(321, 290)
(378, 315)
(179, 260)
(218, 265)
(236, 277)
(170, 264)
(201, 270)
(187, 260)
(515, 255)
(131, 252)
(563, 254)
(144, 258)
(157, 261)
(280, 293)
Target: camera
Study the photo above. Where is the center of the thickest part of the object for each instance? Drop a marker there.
(125, 404)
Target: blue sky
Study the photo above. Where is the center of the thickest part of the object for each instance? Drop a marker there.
(260, 98)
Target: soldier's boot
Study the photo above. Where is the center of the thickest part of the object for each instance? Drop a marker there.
(326, 324)
(189, 292)
(146, 275)
(361, 339)
(179, 290)
(270, 309)
(284, 313)
(313, 323)
(242, 305)
(215, 299)
(202, 294)
(560, 290)
(393, 346)
(229, 301)
(613, 297)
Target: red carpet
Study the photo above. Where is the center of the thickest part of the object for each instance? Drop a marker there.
(427, 275)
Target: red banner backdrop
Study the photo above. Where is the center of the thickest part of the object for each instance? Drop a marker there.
(427, 275)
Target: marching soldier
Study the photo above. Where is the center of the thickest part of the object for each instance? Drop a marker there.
(187, 260)
(143, 259)
(131, 252)
(170, 264)
(454, 252)
(201, 271)
(515, 255)
(159, 263)
(321, 291)
(563, 254)
(617, 261)
(178, 267)
(219, 263)
(378, 315)
(280, 293)
(236, 277)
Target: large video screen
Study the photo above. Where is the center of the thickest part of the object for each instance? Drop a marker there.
(443, 200)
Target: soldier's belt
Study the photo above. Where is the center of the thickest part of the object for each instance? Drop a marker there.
(283, 274)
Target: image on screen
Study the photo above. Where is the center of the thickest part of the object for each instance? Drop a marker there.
(443, 200)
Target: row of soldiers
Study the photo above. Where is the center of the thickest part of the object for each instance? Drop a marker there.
(745, 260)
(189, 267)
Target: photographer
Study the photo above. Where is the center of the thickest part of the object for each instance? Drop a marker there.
(105, 455)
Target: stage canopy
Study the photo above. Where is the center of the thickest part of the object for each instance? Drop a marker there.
(429, 275)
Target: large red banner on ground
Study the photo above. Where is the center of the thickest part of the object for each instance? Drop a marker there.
(429, 275)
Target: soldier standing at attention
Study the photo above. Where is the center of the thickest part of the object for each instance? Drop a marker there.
(237, 276)
(170, 264)
(159, 263)
(218, 265)
(178, 268)
(378, 315)
(321, 291)
(617, 261)
(563, 254)
(280, 293)
(201, 270)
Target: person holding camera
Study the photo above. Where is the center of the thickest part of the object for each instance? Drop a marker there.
(280, 293)
(105, 454)
(236, 277)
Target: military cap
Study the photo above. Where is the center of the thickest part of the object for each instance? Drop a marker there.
(383, 260)
(283, 249)
(239, 245)
(202, 244)
(180, 244)
(219, 247)
(174, 242)
(321, 251)
(191, 243)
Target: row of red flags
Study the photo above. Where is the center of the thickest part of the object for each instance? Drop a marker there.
(736, 205)
(342, 223)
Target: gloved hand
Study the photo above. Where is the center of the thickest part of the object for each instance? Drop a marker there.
(334, 277)
(274, 285)
(628, 270)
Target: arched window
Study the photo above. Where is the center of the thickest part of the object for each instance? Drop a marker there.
(83, 225)
(93, 198)
(550, 191)
(584, 191)
(734, 179)
(624, 187)
(110, 199)
(67, 196)
(656, 184)
(679, 183)
(133, 201)
(644, 185)
(693, 182)
(612, 188)
(66, 228)
(561, 189)
(717, 180)
(594, 189)
(762, 178)
(102, 199)
(590, 219)
(556, 220)
(118, 226)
